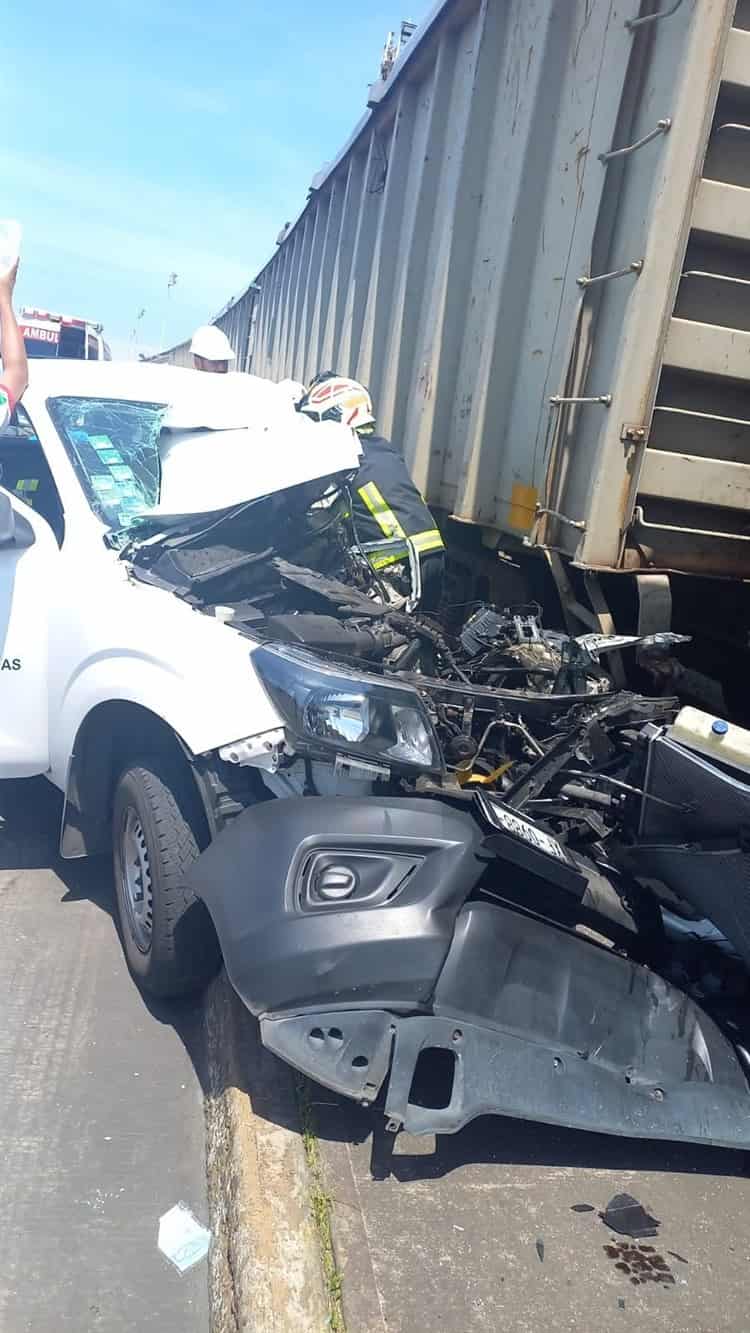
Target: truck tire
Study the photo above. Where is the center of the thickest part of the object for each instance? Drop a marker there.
(158, 830)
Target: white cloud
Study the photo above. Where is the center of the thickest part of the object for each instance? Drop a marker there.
(206, 272)
(99, 189)
(107, 239)
(116, 220)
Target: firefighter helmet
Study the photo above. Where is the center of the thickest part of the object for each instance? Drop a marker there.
(332, 397)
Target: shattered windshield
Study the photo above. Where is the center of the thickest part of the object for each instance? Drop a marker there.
(113, 445)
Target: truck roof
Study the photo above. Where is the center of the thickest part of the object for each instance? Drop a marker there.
(195, 399)
(140, 381)
(228, 439)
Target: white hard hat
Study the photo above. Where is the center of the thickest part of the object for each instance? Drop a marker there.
(295, 390)
(210, 343)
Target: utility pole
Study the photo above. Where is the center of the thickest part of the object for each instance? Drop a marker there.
(136, 330)
(171, 282)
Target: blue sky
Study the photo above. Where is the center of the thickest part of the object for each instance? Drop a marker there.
(148, 136)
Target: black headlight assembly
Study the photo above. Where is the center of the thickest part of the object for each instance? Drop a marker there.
(327, 712)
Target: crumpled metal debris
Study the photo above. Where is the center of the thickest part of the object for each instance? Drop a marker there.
(628, 1217)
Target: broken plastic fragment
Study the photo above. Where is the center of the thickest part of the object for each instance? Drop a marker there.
(626, 1215)
(540, 1249)
(182, 1239)
(582, 1208)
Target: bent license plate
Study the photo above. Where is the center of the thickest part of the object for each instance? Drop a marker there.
(507, 821)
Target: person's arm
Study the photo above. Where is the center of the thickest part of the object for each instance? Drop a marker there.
(15, 373)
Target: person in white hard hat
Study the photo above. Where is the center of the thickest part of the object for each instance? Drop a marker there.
(211, 350)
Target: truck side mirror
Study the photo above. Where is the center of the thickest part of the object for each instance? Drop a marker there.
(7, 520)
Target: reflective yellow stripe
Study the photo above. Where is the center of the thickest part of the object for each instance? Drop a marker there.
(428, 541)
(381, 561)
(424, 543)
(388, 551)
(25, 488)
(381, 512)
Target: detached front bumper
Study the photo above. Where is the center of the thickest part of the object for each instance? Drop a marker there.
(349, 929)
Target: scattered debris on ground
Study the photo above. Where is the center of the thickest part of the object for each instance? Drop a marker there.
(628, 1217)
(182, 1238)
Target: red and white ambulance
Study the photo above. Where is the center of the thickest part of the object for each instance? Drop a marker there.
(51, 335)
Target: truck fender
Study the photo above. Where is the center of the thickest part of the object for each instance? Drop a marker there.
(109, 735)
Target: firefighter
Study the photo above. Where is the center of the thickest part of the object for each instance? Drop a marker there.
(212, 350)
(386, 505)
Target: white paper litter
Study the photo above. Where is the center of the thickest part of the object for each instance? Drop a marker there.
(182, 1239)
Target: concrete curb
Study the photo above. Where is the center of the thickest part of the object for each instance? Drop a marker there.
(265, 1271)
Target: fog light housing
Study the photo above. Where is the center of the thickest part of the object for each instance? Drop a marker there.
(349, 879)
(334, 884)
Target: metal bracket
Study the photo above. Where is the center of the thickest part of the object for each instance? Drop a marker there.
(415, 577)
(573, 611)
(715, 277)
(663, 126)
(733, 127)
(606, 624)
(635, 267)
(604, 398)
(654, 603)
(653, 18)
(562, 518)
(261, 751)
(633, 434)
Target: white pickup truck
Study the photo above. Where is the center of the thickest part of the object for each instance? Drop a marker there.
(189, 626)
(149, 517)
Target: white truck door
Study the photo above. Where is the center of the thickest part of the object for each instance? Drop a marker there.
(29, 559)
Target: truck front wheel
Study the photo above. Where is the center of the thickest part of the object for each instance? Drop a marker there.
(158, 830)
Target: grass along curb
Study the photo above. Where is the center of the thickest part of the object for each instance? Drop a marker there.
(321, 1208)
(265, 1270)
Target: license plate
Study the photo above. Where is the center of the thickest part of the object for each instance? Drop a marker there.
(507, 821)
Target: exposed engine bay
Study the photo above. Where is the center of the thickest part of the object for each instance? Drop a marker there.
(541, 891)
(287, 570)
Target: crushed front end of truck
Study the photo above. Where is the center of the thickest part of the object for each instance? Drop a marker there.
(553, 953)
(496, 883)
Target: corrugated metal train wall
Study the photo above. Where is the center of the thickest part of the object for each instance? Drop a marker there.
(444, 259)
(437, 259)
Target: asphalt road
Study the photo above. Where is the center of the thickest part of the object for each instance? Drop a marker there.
(101, 1109)
(499, 1228)
(101, 1131)
(481, 1234)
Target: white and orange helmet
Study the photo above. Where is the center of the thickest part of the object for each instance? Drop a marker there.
(332, 397)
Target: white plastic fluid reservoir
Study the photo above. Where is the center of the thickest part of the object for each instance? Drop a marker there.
(10, 243)
(712, 736)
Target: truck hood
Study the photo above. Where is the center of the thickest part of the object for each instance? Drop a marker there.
(209, 469)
